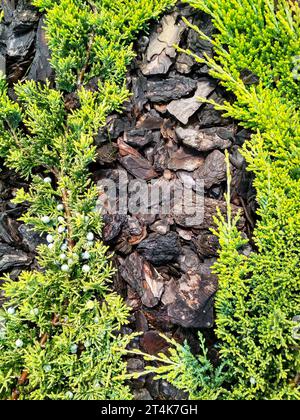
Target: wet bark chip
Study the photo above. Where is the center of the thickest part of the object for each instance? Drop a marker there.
(11, 258)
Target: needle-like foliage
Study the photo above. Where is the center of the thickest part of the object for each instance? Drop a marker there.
(258, 303)
(60, 326)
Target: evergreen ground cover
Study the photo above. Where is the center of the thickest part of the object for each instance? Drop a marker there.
(60, 325)
(258, 303)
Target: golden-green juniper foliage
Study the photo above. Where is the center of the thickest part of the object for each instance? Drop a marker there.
(60, 326)
(258, 304)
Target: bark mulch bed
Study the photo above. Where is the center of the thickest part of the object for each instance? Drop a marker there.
(166, 138)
